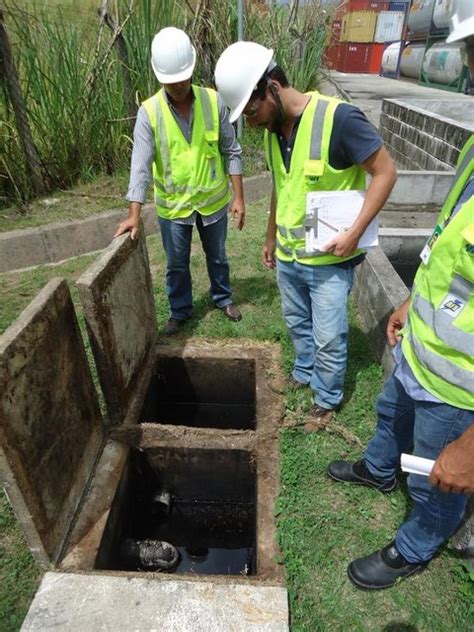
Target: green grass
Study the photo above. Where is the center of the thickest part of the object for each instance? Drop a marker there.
(73, 83)
(322, 526)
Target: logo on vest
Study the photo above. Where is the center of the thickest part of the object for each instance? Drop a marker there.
(452, 306)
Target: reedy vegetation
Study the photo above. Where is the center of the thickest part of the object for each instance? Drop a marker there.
(72, 80)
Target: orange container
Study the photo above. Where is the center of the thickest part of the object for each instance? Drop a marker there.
(375, 59)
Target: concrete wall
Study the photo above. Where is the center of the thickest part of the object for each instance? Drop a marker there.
(377, 292)
(55, 242)
(419, 137)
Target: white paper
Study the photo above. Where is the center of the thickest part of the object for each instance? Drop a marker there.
(331, 212)
(416, 464)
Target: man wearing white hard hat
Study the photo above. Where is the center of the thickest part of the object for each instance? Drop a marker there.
(184, 133)
(312, 144)
(427, 405)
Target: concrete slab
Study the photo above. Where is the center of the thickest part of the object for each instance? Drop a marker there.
(81, 603)
(367, 92)
(116, 293)
(50, 424)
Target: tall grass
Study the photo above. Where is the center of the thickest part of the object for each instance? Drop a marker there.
(72, 78)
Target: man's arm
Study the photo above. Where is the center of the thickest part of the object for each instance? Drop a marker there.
(453, 470)
(232, 154)
(384, 174)
(143, 155)
(268, 250)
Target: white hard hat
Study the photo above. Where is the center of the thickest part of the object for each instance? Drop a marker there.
(238, 70)
(462, 21)
(173, 57)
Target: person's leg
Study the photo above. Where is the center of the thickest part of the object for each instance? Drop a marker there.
(436, 515)
(394, 432)
(213, 237)
(393, 435)
(296, 308)
(329, 291)
(176, 239)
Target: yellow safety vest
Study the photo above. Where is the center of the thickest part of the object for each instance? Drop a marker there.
(438, 339)
(309, 171)
(191, 176)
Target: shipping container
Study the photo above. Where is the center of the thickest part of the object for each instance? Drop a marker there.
(359, 26)
(361, 5)
(419, 18)
(412, 60)
(332, 56)
(389, 26)
(355, 57)
(390, 58)
(443, 63)
(399, 6)
(336, 27)
(442, 13)
(375, 61)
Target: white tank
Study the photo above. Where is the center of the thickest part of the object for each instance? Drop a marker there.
(390, 57)
(442, 63)
(419, 18)
(412, 60)
(442, 13)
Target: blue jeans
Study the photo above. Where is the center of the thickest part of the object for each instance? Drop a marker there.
(426, 427)
(314, 305)
(176, 240)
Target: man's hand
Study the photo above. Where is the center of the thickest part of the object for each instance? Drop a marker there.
(343, 244)
(268, 253)
(453, 470)
(396, 322)
(237, 212)
(130, 224)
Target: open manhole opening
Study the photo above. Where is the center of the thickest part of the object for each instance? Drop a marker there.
(202, 393)
(203, 502)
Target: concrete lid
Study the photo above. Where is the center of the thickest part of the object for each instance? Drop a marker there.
(82, 603)
(51, 429)
(116, 293)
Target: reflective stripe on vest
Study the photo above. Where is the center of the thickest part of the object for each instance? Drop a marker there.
(442, 322)
(441, 367)
(315, 153)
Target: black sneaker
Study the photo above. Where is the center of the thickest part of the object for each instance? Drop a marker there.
(382, 569)
(358, 474)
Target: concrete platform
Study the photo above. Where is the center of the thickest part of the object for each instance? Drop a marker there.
(82, 603)
(367, 92)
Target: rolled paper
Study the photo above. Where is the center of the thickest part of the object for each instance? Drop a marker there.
(416, 464)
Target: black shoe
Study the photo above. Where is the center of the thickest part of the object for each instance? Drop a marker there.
(382, 569)
(172, 326)
(358, 474)
(232, 313)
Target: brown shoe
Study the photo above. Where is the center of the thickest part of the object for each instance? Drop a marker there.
(172, 326)
(281, 385)
(318, 418)
(232, 313)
